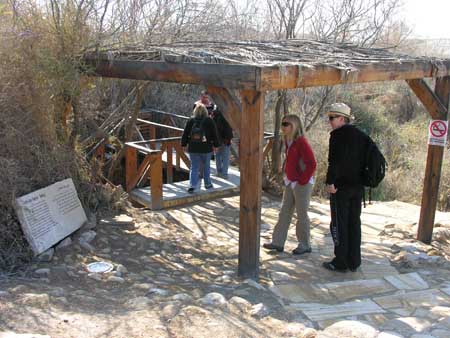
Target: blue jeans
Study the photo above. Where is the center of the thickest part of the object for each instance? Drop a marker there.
(223, 160)
(199, 162)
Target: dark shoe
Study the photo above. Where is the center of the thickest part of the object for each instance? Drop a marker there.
(209, 186)
(191, 190)
(271, 246)
(353, 269)
(300, 251)
(330, 266)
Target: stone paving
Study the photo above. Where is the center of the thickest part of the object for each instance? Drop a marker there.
(175, 276)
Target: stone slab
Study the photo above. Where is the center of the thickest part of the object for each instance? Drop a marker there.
(315, 311)
(408, 281)
(426, 298)
(299, 293)
(372, 271)
(356, 288)
(50, 214)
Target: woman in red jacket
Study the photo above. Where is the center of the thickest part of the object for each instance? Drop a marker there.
(299, 168)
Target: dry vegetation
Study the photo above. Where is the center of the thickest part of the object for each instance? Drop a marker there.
(46, 106)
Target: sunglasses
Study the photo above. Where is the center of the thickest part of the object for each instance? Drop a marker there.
(332, 117)
(285, 124)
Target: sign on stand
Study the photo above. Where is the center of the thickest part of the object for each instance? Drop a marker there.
(50, 214)
(437, 132)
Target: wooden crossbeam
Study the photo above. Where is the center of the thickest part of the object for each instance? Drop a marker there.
(220, 75)
(429, 99)
(228, 105)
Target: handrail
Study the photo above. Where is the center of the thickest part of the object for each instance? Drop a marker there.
(167, 139)
(159, 125)
(150, 110)
(142, 149)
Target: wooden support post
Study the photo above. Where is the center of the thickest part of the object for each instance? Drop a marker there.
(130, 167)
(251, 163)
(156, 182)
(152, 135)
(433, 168)
(169, 164)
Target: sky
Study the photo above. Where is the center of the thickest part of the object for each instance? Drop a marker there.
(427, 18)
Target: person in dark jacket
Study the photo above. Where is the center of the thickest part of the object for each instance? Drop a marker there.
(225, 136)
(299, 168)
(346, 159)
(201, 139)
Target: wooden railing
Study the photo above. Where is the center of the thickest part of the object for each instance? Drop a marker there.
(158, 151)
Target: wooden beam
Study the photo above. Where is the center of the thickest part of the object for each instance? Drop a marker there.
(220, 75)
(169, 164)
(130, 166)
(156, 181)
(228, 105)
(433, 172)
(428, 98)
(251, 163)
(293, 76)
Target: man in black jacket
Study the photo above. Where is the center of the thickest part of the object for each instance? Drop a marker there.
(344, 183)
(225, 135)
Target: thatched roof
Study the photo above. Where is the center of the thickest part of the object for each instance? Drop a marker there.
(267, 53)
(264, 65)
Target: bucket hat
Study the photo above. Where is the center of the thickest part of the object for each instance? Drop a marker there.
(340, 109)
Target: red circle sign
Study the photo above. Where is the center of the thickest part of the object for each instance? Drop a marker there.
(438, 128)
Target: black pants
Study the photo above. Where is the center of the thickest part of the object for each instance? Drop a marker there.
(345, 226)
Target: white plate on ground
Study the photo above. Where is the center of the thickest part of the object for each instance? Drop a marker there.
(99, 267)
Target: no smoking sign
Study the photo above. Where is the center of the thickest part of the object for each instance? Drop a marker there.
(437, 134)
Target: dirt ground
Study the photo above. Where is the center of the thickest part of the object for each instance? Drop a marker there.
(174, 276)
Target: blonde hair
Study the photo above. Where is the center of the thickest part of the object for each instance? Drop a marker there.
(297, 126)
(200, 111)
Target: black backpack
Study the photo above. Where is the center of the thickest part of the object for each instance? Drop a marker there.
(375, 165)
(197, 134)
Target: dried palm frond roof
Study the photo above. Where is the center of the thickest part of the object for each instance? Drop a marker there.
(263, 65)
(266, 53)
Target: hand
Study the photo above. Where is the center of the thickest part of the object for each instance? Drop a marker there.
(215, 149)
(184, 149)
(331, 188)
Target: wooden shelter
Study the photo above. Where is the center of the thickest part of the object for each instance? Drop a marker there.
(252, 68)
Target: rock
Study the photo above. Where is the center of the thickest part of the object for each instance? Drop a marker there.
(438, 312)
(33, 299)
(57, 292)
(122, 269)
(439, 333)
(243, 305)
(254, 284)
(388, 334)
(87, 246)
(259, 310)
(183, 297)
(64, 243)
(308, 333)
(407, 325)
(91, 222)
(441, 235)
(4, 294)
(95, 276)
(87, 236)
(422, 336)
(143, 286)
(9, 334)
(138, 303)
(169, 311)
(197, 293)
(158, 292)
(242, 292)
(46, 256)
(214, 299)
(115, 279)
(42, 272)
(351, 329)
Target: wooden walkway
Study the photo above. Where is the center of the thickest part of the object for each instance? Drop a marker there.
(175, 194)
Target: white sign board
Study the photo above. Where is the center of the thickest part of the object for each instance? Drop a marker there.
(437, 132)
(50, 214)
